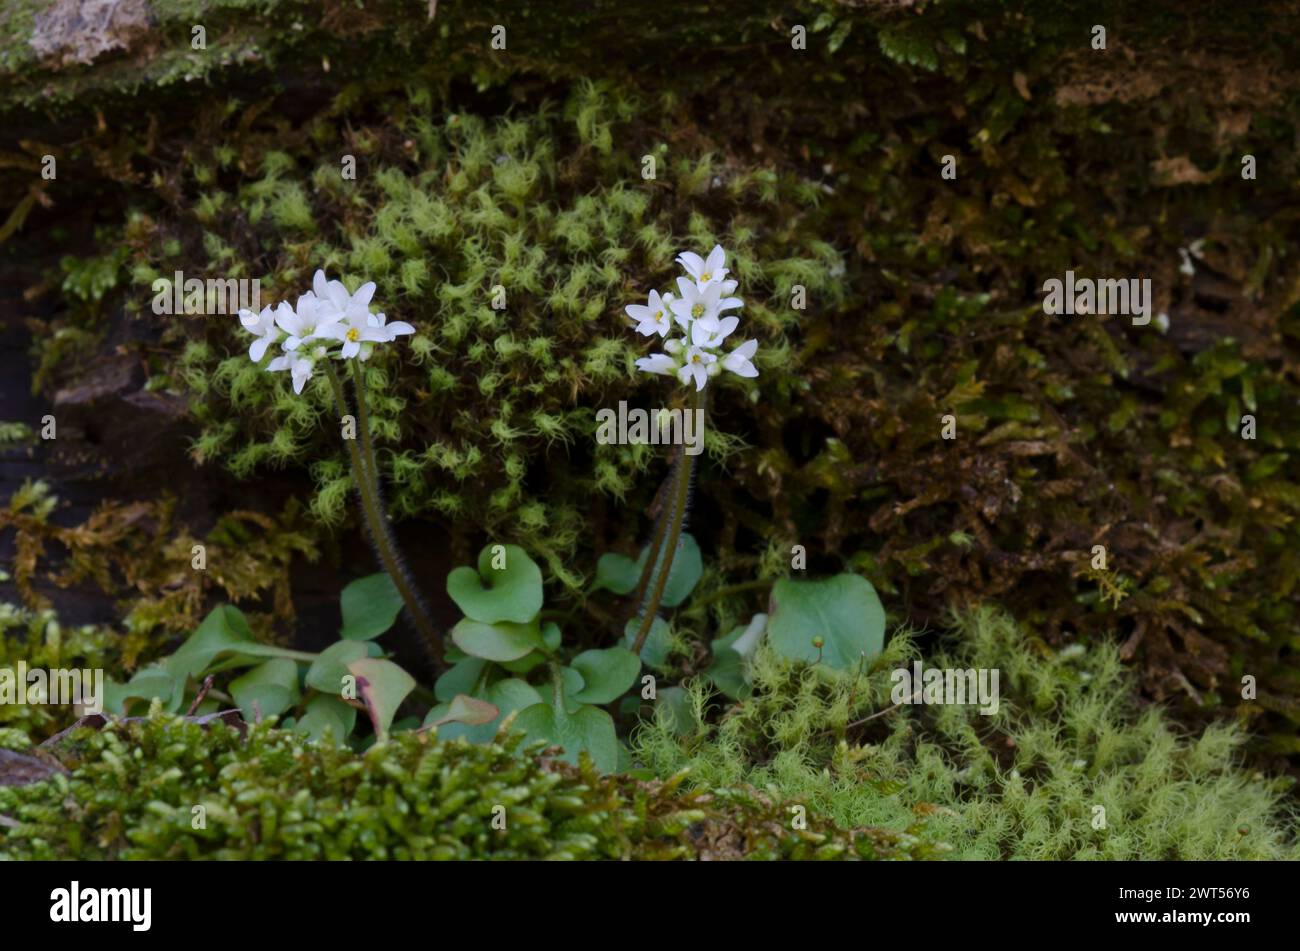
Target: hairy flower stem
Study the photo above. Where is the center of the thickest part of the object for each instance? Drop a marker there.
(381, 534)
(668, 533)
(363, 424)
(657, 540)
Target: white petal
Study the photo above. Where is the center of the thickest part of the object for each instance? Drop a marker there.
(717, 258)
(338, 295)
(725, 326)
(399, 327)
(700, 335)
(258, 350)
(692, 262)
(320, 285)
(364, 293)
(738, 360)
(657, 363)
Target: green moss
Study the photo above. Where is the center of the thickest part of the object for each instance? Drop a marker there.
(1068, 748)
(923, 292)
(437, 251)
(136, 553)
(37, 639)
(134, 788)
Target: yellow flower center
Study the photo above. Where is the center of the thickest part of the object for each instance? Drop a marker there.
(695, 358)
(706, 276)
(659, 315)
(697, 310)
(353, 334)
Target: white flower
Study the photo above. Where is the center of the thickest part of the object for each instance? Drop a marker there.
(306, 321)
(703, 306)
(738, 360)
(705, 272)
(355, 326)
(702, 337)
(658, 363)
(696, 367)
(705, 295)
(354, 308)
(652, 317)
(358, 334)
(301, 366)
(262, 326)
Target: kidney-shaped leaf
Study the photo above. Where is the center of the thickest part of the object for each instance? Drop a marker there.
(589, 729)
(506, 587)
(620, 574)
(607, 674)
(843, 611)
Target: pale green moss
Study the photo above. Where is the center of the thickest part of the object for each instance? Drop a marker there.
(1068, 748)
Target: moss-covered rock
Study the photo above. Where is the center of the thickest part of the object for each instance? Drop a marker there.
(1070, 433)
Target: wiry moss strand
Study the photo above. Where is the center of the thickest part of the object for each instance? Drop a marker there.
(1022, 783)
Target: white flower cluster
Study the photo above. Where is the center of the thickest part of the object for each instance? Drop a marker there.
(698, 311)
(327, 315)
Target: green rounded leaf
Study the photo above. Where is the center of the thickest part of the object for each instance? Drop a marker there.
(657, 643)
(843, 611)
(267, 690)
(607, 674)
(461, 678)
(620, 574)
(502, 641)
(370, 605)
(590, 730)
(327, 716)
(327, 671)
(506, 587)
